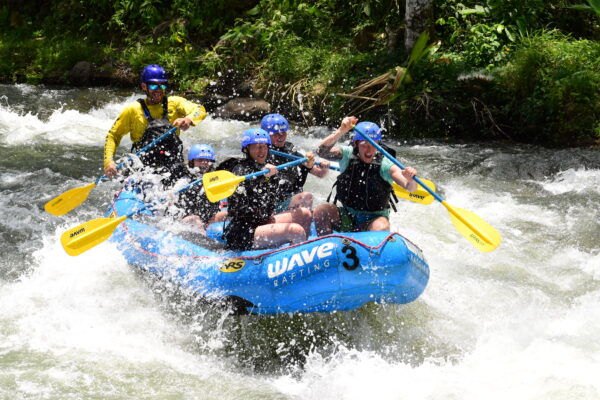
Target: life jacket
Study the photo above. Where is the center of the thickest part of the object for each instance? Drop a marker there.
(292, 179)
(193, 201)
(168, 151)
(255, 203)
(228, 164)
(362, 188)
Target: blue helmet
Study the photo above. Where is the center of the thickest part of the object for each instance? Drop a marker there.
(274, 123)
(255, 135)
(202, 152)
(368, 128)
(154, 73)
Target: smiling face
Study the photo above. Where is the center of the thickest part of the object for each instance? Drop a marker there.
(258, 152)
(366, 152)
(278, 139)
(201, 164)
(153, 96)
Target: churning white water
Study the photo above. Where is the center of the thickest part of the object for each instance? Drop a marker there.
(521, 322)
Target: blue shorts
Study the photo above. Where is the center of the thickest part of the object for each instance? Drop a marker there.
(355, 221)
(283, 205)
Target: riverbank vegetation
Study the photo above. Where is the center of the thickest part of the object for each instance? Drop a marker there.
(486, 69)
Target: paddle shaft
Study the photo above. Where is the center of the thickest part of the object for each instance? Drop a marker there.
(282, 154)
(140, 151)
(183, 189)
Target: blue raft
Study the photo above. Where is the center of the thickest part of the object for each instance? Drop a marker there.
(323, 274)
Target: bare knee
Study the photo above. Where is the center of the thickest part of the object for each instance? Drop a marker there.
(326, 216)
(379, 224)
(304, 199)
(296, 233)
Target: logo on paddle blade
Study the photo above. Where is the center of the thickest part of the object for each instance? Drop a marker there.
(232, 265)
(77, 232)
(214, 178)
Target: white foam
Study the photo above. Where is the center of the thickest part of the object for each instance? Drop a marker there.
(574, 180)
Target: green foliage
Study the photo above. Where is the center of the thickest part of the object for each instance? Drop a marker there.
(553, 83)
(318, 48)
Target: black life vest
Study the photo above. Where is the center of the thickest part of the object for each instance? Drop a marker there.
(168, 151)
(193, 201)
(362, 188)
(292, 179)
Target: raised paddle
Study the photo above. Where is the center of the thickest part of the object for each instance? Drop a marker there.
(219, 185)
(87, 235)
(420, 195)
(481, 234)
(67, 201)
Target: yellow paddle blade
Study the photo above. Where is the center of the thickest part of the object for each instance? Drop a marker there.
(87, 235)
(420, 195)
(481, 234)
(219, 185)
(62, 204)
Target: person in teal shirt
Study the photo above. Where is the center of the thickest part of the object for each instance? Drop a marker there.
(364, 186)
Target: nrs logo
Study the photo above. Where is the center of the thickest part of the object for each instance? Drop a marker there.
(232, 265)
(301, 259)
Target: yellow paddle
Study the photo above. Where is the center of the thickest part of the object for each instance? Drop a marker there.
(72, 198)
(481, 234)
(219, 185)
(87, 235)
(420, 195)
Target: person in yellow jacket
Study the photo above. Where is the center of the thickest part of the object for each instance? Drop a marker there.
(147, 119)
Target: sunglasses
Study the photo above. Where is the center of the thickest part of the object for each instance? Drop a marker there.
(155, 86)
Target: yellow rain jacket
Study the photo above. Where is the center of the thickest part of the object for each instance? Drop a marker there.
(132, 121)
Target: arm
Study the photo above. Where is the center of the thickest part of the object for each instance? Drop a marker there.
(192, 113)
(404, 177)
(326, 149)
(322, 169)
(120, 128)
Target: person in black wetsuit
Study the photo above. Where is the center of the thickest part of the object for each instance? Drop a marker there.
(193, 203)
(251, 220)
(291, 180)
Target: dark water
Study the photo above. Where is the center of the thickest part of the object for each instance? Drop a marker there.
(520, 322)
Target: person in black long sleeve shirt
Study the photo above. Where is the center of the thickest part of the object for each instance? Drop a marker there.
(252, 221)
(290, 192)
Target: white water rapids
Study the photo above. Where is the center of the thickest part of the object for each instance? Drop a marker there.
(521, 322)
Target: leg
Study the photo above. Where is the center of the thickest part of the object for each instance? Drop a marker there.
(218, 217)
(379, 224)
(326, 217)
(304, 199)
(273, 235)
(195, 220)
(301, 216)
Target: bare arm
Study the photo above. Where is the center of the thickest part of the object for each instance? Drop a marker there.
(326, 147)
(320, 170)
(404, 177)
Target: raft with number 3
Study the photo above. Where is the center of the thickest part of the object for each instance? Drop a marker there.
(336, 272)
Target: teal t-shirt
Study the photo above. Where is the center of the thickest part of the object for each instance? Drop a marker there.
(384, 172)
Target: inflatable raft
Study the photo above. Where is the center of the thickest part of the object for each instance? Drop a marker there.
(323, 274)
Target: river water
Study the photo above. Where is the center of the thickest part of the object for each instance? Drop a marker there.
(521, 322)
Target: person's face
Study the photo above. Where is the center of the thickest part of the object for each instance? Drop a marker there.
(258, 152)
(366, 152)
(201, 164)
(154, 91)
(278, 139)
